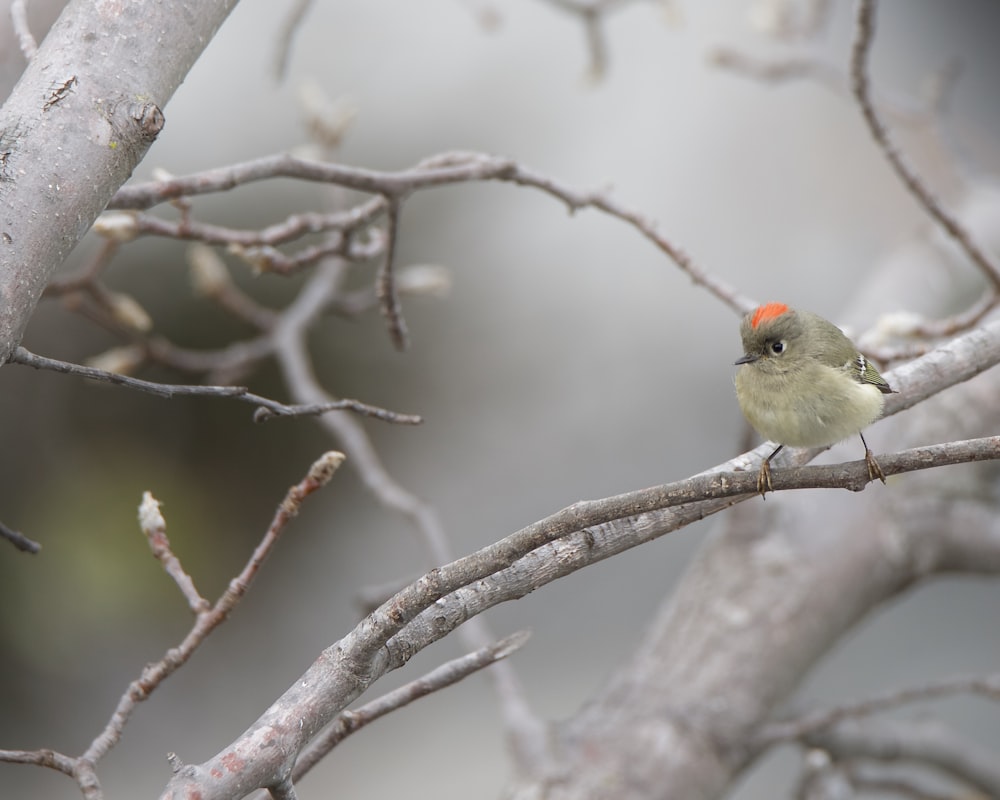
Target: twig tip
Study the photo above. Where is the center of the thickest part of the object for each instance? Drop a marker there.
(323, 468)
(150, 518)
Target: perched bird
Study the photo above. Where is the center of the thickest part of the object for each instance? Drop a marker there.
(803, 383)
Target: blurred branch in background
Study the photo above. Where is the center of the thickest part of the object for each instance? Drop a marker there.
(208, 616)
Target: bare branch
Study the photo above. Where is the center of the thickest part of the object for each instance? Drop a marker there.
(19, 540)
(898, 786)
(380, 643)
(291, 25)
(591, 13)
(779, 71)
(439, 678)
(207, 618)
(812, 722)
(40, 758)
(155, 528)
(385, 285)
(211, 279)
(864, 34)
(267, 408)
(19, 19)
(928, 743)
(445, 169)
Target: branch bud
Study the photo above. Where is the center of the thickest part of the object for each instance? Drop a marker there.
(208, 272)
(126, 310)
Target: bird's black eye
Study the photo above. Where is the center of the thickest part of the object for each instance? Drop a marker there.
(778, 347)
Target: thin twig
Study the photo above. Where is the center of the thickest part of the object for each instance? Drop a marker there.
(591, 14)
(207, 618)
(811, 722)
(777, 71)
(19, 19)
(211, 279)
(441, 170)
(40, 758)
(385, 284)
(898, 786)
(439, 678)
(155, 528)
(864, 34)
(929, 743)
(267, 408)
(19, 540)
(291, 26)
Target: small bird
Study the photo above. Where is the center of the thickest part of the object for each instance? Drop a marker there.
(803, 383)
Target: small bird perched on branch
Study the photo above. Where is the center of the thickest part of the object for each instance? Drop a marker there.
(803, 383)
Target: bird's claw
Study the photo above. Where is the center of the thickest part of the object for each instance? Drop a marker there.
(874, 470)
(764, 479)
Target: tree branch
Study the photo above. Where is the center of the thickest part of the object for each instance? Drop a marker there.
(19, 540)
(864, 34)
(207, 617)
(925, 742)
(47, 161)
(439, 678)
(19, 19)
(267, 408)
(814, 721)
(442, 170)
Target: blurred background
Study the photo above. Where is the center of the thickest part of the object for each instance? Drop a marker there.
(570, 360)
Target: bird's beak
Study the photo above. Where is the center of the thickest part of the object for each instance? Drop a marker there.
(747, 359)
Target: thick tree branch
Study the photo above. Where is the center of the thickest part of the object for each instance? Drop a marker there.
(79, 120)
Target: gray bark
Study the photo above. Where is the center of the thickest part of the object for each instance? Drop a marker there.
(77, 123)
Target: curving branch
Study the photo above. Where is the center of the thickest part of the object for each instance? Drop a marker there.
(440, 601)
(812, 722)
(926, 743)
(19, 20)
(393, 187)
(860, 84)
(448, 674)
(266, 408)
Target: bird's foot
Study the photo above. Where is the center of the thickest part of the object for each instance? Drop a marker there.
(874, 470)
(764, 479)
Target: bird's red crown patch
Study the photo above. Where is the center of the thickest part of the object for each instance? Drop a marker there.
(767, 312)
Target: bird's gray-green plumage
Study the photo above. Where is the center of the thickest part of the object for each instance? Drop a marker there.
(802, 382)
